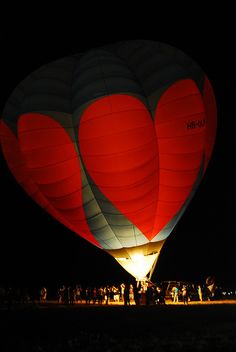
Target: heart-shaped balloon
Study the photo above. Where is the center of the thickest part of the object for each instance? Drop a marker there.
(112, 146)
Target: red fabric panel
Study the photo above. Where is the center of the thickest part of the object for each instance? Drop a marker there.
(147, 171)
(211, 113)
(17, 165)
(119, 149)
(54, 166)
(13, 156)
(180, 128)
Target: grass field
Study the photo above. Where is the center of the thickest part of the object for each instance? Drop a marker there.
(49, 327)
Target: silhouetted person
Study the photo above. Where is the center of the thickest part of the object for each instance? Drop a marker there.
(126, 295)
(61, 294)
(87, 295)
(43, 295)
(78, 294)
(149, 295)
(136, 295)
(94, 294)
(162, 296)
(107, 294)
(71, 295)
(185, 294)
(67, 295)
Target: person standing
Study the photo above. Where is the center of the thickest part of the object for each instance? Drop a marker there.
(107, 294)
(185, 294)
(136, 295)
(88, 295)
(126, 295)
(43, 295)
(199, 290)
(176, 295)
(94, 294)
(149, 293)
(122, 291)
(131, 293)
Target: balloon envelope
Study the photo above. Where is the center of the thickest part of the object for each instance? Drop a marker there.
(113, 143)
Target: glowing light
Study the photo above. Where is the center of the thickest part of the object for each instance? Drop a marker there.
(138, 265)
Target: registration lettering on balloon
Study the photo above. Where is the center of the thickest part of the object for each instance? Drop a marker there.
(113, 143)
(196, 124)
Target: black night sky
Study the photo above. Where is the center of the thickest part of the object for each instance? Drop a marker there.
(36, 249)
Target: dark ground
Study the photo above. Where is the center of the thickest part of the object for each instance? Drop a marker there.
(118, 328)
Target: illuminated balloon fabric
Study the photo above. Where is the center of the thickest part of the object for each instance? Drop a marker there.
(113, 143)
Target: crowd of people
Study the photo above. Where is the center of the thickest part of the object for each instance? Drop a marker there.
(138, 293)
(124, 293)
(183, 293)
(127, 294)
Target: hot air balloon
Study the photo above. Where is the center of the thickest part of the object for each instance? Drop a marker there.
(113, 143)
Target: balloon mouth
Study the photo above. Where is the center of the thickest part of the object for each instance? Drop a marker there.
(139, 261)
(139, 265)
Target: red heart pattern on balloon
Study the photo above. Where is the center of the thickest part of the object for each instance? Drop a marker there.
(145, 167)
